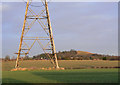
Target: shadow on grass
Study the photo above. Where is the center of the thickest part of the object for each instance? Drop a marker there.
(10, 81)
(79, 77)
(7, 81)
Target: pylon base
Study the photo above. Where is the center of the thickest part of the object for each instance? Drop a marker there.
(31, 69)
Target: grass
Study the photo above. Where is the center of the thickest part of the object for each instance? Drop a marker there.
(8, 65)
(62, 76)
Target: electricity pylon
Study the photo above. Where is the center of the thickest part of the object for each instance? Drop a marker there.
(24, 47)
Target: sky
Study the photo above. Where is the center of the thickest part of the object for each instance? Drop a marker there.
(83, 26)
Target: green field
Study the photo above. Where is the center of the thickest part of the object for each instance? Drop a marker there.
(65, 76)
(81, 75)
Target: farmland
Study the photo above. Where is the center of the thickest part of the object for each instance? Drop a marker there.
(62, 76)
(68, 64)
(76, 71)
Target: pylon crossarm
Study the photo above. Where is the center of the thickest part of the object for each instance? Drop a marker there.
(38, 39)
(34, 38)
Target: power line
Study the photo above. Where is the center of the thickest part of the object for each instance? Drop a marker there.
(36, 5)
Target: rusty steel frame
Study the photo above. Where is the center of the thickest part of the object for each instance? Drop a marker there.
(47, 29)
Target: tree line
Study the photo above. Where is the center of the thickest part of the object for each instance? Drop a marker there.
(69, 55)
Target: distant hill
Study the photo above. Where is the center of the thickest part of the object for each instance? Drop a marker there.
(83, 53)
(77, 55)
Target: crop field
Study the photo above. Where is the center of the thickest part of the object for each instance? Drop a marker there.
(68, 64)
(77, 71)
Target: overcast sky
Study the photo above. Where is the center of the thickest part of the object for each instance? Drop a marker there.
(84, 26)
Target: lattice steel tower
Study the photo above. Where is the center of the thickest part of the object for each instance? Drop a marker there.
(44, 21)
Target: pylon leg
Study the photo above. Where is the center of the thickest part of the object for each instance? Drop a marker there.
(17, 61)
(51, 35)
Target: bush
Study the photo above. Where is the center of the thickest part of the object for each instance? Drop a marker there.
(7, 58)
(104, 58)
